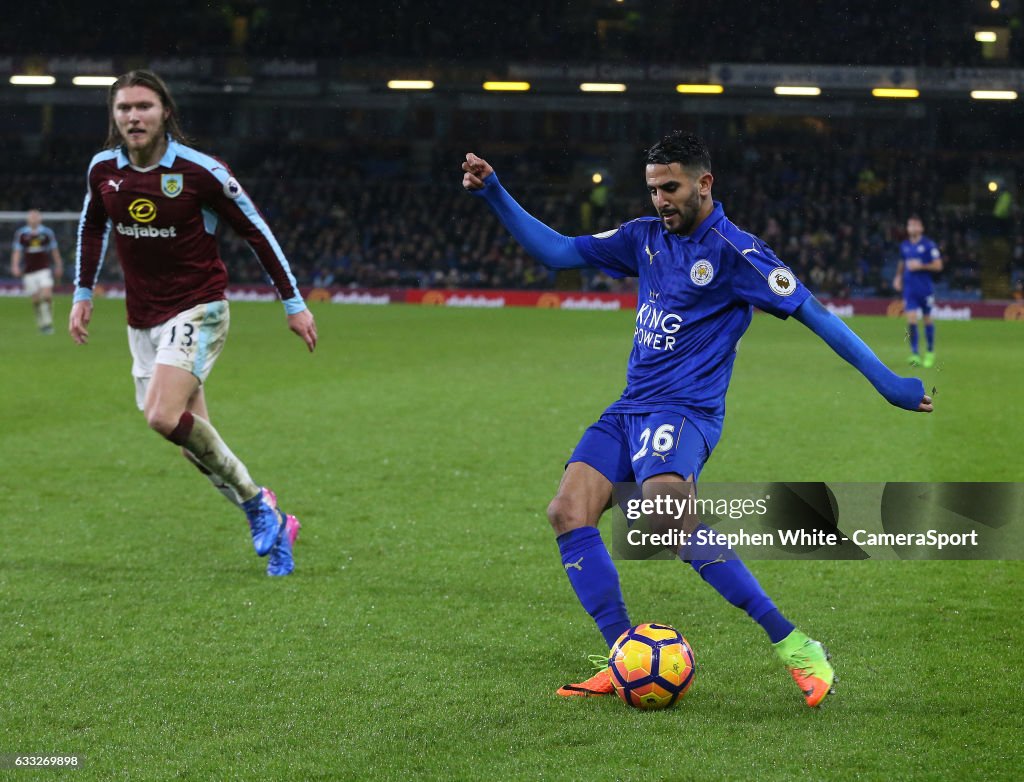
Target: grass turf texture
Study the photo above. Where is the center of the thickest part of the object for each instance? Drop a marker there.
(429, 623)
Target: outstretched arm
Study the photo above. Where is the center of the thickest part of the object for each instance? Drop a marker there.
(905, 392)
(545, 244)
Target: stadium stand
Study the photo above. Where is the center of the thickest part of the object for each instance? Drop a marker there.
(914, 32)
(835, 217)
(370, 198)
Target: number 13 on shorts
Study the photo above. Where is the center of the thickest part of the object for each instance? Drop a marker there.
(182, 336)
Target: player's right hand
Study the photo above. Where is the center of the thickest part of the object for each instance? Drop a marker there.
(897, 284)
(476, 171)
(78, 320)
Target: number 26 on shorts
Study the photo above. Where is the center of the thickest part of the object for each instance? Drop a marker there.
(661, 442)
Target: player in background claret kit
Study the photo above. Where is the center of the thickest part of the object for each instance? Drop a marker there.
(699, 278)
(920, 259)
(35, 246)
(162, 199)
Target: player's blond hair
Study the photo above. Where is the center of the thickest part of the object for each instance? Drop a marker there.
(143, 78)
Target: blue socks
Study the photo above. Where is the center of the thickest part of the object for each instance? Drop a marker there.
(912, 331)
(929, 335)
(733, 581)
(596, 581)
(776, 625)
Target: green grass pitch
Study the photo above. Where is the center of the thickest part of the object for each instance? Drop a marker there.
(429, 623)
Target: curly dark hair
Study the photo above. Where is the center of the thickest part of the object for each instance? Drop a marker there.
(682, 147)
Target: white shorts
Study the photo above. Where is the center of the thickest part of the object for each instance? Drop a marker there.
(35, 282)
(191, 340)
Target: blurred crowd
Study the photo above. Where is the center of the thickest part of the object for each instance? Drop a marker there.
(355, 214)
(367, 219)
(870, 32)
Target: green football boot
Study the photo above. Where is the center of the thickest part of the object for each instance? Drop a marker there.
(808, 663)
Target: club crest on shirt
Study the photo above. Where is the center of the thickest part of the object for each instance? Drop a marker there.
(232, 189)
(702, 272)
(171, 185)
(782, 282)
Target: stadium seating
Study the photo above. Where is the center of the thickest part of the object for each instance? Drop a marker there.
(826, 212)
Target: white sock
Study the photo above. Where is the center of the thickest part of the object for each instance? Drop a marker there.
(212, 453)
(215, 480)
(45, 314)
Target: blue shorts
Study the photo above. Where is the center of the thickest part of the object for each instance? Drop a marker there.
(631, 447)
(912, 300)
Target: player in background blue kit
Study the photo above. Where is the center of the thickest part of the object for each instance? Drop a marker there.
(699, 278)
(919, 260)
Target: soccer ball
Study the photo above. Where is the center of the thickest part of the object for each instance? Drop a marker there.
(652, 666)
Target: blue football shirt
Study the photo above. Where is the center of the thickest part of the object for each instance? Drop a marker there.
(695, 300)
(918, 283)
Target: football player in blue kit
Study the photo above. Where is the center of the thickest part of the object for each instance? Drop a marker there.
(919, 260)
(699, 279)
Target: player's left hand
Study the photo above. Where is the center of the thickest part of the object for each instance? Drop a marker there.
(926, 404)
(913, 266)
(302, 323)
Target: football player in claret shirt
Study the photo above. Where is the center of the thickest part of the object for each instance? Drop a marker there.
(699, 278)
(35, 246)
(919, 260)
(161, 199)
